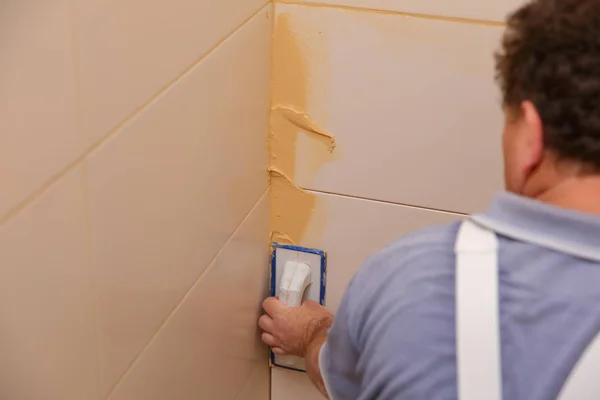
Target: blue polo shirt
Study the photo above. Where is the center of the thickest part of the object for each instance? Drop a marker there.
(394, 333)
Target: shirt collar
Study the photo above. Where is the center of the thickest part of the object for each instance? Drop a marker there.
(532, 221)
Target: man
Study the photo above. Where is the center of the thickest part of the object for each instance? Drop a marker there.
(395, 333)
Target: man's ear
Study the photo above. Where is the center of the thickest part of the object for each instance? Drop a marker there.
(532, 136)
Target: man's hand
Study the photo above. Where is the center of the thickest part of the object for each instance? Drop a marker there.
(299, 331)
(294, 330)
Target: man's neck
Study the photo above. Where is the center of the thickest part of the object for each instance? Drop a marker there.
(579, 193)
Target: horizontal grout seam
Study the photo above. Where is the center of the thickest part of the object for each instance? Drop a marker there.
(15, 210)
(187, 294)
(472, 21)
(385, 202)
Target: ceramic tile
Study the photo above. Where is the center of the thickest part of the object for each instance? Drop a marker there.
(129, 50)
(210, 347)
(491, 10)
(168, 190)
(292, 385)
(411, 102)
(49, 344)
(38, 135)
(350, 230)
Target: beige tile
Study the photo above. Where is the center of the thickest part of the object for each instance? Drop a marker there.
(129, 50)
(491, 10)
(210, 346)
(168, 190)
(38, 135)
(411, 102)
(49, 345)
(350, 230)
(292, 385)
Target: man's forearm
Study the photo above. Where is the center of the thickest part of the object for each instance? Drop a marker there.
(319, 336)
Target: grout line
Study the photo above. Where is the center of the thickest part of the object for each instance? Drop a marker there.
(473, 21)
(386, 202)
(186, 295)
(271, 85)
(94, 294)
(114, 131)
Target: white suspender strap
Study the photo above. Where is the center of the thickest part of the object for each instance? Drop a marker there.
(584, 382)
(477, 314)
(479, 366)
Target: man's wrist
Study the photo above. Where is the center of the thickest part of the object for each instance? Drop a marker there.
(318, 337)
(317, 333)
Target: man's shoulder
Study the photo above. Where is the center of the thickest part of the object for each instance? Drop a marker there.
(408, 283)
(432, 240)
(416, 267)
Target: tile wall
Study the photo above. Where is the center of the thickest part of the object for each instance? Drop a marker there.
(134, 216)
(406, 89)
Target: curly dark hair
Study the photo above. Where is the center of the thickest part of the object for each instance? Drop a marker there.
(550, 55)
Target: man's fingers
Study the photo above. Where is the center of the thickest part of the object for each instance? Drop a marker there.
(273, 306)
(270, 340)
(265, 323)
(273, 343)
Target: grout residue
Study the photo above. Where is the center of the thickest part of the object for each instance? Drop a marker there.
(291, 207)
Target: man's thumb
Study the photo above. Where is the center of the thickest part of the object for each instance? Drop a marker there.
(273, 306)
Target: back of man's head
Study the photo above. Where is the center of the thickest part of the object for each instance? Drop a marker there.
(549, 73)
